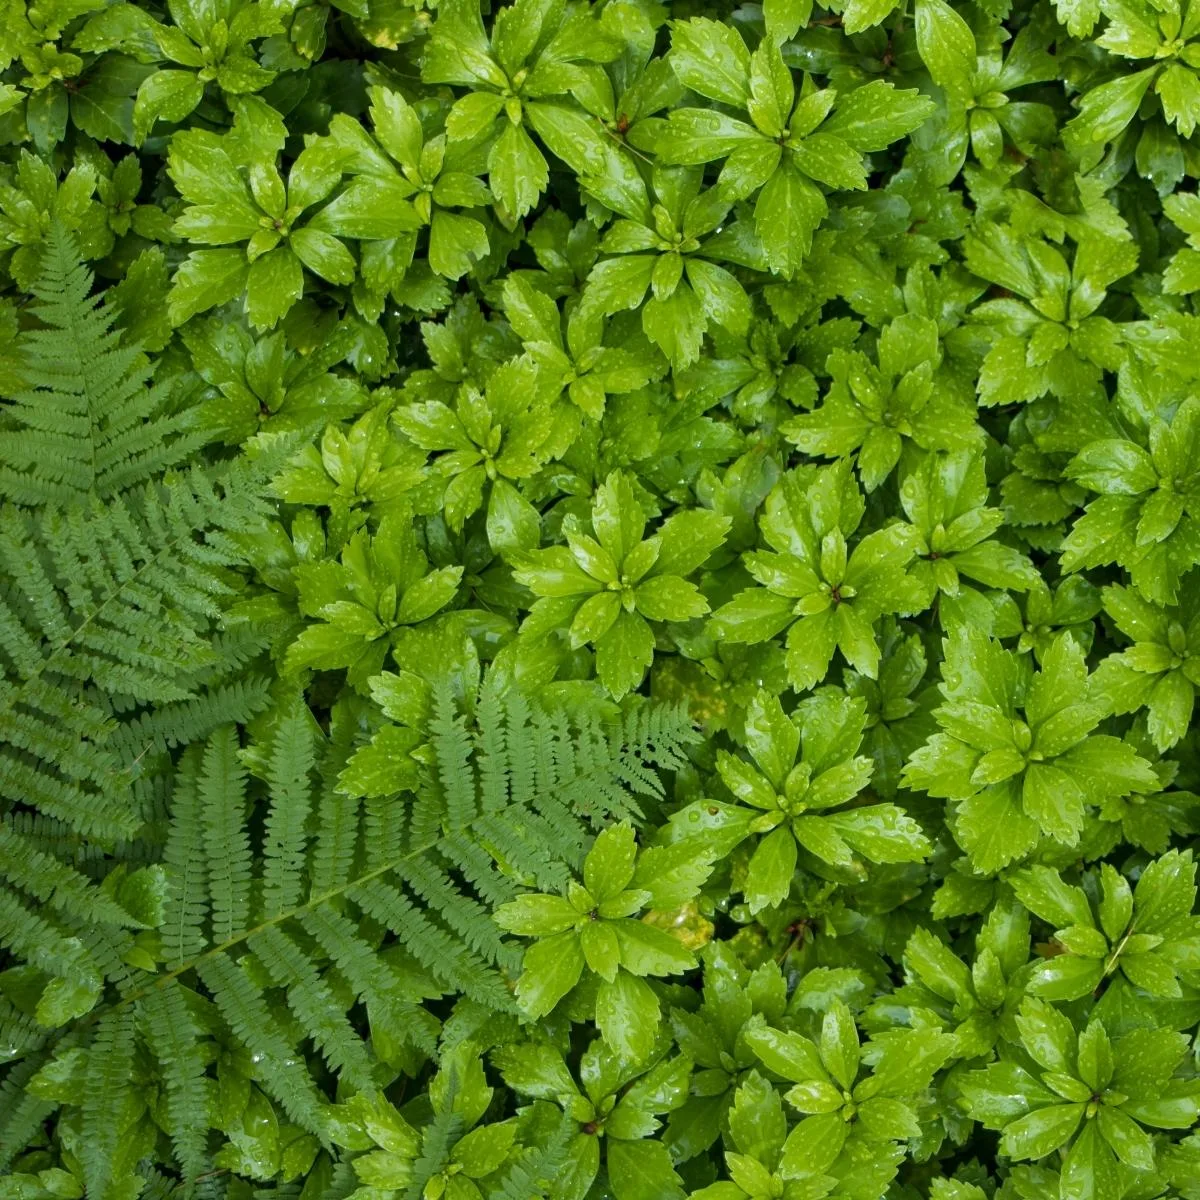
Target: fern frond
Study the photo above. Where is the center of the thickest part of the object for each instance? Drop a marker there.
(479, 869)
(383, 836)
(314, 1004)
(448, 732)
(437, 1140)
(186, 904)
(368, 974)
(443, 955)
(174, 1036)
(537, 1170)
(495, 757)
(62, 924)
(136, 636)
(221, 791)
(462, 913)
(433, 876)
(107, 1083)
(282, 888)
(22, 1113)
(114, 576)
(169, 726)
(20, 1034)
(55, 884)
(283, 1074)
(291, 760)
(335, 842)
(89, 422)
(36, 939)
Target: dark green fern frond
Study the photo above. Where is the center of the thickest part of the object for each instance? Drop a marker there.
(20, 1033)
(62, 924)
(89, 420)
(369, 975)
(166, 727)
(107, 1083)
(285, 1075)
(58, 887)
(438, 949)
(174, 1036)
(45, 945)
(221, 791)
(186, 906)
(290, 761)
(113, 654)
(561, 774)
(22, 1113)
(106, 609)
(314, 1005)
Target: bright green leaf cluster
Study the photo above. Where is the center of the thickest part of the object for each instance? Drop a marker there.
(599, 599)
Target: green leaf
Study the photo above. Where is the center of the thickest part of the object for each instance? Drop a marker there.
(756, 1119)
(710, 58)
(771, 869)
(205, 279)
(1090, 1169)
(324, 255)
(517, 171)
(1165, 892)
(608, 867)
(627, 1016)
(1104, 112)
(165, 96)
(669, 598)
(839, 1045)
(642, 1170)
(274, 283)
(873, 116)
(1048, 1036)
(787, 213)
(784, 18)
(456, 242)
(787, 1054)
(536, 915)
(1042, 1131)
(947, 48)
(675, 324)
(550, 969)
(862, 14)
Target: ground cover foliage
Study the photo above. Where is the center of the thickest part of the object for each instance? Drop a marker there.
(599, 600)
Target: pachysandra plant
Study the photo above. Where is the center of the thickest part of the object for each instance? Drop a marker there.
(591, 927)
(802, 793)
(608, 588)
(1017, 749)
(599, 599)
(827, 594)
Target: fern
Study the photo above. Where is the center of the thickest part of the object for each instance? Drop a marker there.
(22, 1113)
(114, 572)
(438, 1140)
(284, 923)
(222, 795)
(90, 421)
(173, 1034)
(534, 1173)
(106, 1085)
(251, 1022)
(288, 768)
(285, 903)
